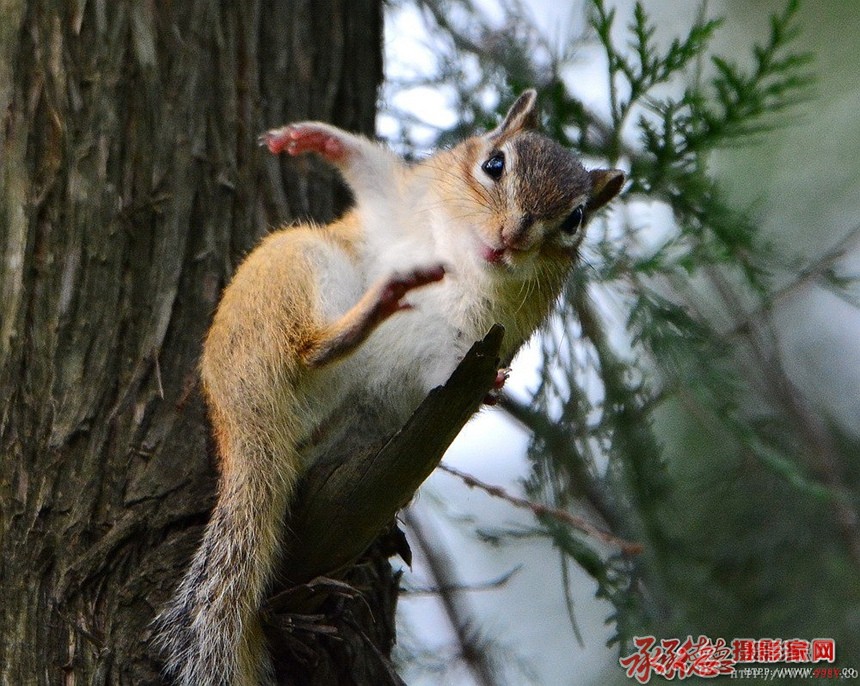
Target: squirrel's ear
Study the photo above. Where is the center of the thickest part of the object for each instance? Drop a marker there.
(605, 185)
(523, 115)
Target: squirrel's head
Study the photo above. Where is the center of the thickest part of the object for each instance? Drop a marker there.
(525, 198)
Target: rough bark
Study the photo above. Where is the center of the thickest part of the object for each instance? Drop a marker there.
(130, 187)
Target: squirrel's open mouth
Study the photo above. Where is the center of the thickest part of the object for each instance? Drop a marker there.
(493, 255)
(506, 257)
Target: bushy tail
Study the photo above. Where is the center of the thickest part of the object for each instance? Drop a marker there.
(210, 633)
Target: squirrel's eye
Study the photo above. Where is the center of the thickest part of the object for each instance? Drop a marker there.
(494, 166)
(574, 220)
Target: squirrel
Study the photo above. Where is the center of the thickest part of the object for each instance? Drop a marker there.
(373, 310)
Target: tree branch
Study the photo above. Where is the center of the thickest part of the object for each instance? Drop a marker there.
(474, 650)
(541, 510)
(342, 506)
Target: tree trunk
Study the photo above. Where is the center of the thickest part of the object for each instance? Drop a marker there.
(131, 185)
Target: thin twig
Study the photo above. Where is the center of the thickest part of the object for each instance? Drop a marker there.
(490, 585)
(473, 650)
(158, 374)
(811, 429)
(540, 510)
(807, 276)
(561, 448)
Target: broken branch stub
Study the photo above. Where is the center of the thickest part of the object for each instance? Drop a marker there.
(342, 506)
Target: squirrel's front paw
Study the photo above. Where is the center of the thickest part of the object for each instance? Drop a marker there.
(495, 394)
(393, 290)
(295, 139)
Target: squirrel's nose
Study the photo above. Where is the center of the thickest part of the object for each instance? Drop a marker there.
(519, 237)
